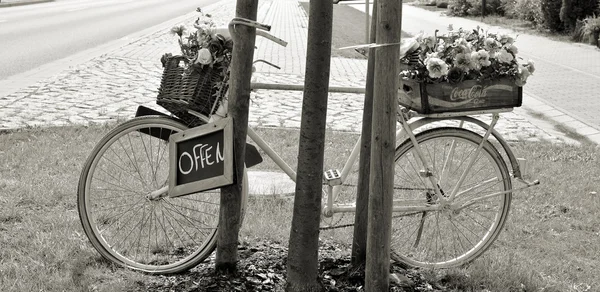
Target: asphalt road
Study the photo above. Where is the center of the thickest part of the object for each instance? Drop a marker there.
(33, 35)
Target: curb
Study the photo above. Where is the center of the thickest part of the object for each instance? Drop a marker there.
(551, 116)
(21, 3)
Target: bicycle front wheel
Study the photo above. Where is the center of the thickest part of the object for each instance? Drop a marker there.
(155, 235)
(449, 237)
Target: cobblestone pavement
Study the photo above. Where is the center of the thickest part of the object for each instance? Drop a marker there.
(110, 87)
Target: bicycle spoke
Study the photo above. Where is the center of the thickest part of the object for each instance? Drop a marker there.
(193, 210)
(148, 155)
(192, 219)
(131, 231)
(197, 201)
(112, 184)
(445, 237)
(182, 227)
(162, 225)
(134, 160)
(181, 239)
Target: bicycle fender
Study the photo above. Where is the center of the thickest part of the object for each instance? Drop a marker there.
(401, 136)
(146, 111)
(253, 157)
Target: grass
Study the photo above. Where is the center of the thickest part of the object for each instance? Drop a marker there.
(43, 247)
(551, 241)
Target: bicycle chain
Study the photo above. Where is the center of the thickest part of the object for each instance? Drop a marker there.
(337, 226)
(348, 225)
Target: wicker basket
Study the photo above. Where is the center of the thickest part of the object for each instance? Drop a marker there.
(182, 89)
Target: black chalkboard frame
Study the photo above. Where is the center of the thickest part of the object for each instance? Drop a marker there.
(200, 185)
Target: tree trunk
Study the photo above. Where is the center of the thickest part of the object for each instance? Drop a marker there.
(483, 4)
(239, 97)
(383, 144)
(359, 242)
(302, 266)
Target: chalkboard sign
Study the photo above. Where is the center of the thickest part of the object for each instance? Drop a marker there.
(201, 158)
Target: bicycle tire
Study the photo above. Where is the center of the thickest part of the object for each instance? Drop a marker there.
(164, 236)
(448, 238)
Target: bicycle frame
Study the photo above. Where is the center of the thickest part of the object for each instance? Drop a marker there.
(406, 131)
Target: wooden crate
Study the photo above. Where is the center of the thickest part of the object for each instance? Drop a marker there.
(468, 95)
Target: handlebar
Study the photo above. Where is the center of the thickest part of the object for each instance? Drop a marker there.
(261, 29)
(271, 38)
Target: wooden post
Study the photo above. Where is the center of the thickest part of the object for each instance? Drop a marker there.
(383, 144)
(239, 97)
(367, 38)
(361, 219)
(303, 260)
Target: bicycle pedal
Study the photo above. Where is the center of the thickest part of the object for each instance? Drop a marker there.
(425, 173)
(333, 177)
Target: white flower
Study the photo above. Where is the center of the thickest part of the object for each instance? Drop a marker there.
(431, 55)
(504, 56)
(461, 42)
(512, 48)
(463, 49)
(506, 39)
(530, 66)
(441, 47)
(429, 41)
(481, 57)
(463, 61)
(203, 25)
(491, 45)
(436, 67)
(462, 46)
(204, 57)
(475, 64)
(523, 74)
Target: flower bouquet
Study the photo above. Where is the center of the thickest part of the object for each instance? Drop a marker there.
(198, 78)
(462, 71)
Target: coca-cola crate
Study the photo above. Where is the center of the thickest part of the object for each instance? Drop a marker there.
(468, 95)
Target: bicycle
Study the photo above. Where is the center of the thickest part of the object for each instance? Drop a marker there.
(452, 193)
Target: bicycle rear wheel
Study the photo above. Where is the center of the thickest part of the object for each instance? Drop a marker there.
(157, 236)
(448, 238)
